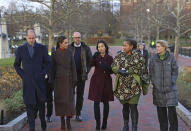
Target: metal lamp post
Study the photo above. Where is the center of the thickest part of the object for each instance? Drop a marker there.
(149, 29)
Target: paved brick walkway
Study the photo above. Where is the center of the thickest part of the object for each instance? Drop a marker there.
(184, 61)
(147, 114)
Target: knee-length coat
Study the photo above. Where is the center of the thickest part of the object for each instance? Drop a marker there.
(163, 74)
(32, 70)
(101, 82)
(64, 77)
(128, 88)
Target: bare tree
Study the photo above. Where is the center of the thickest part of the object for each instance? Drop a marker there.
(47, 14)
(58, 13)
(13, 26)
(65, 16)
(18, 20)
(134, 20)
(180, 12)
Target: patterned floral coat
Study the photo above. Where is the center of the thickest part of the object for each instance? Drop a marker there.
(128, 88)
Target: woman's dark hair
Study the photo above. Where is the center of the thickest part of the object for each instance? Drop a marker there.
(105, 44)
(132, 42)
(60, 40)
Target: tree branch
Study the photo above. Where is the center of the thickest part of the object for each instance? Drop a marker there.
(186, 32)
(41, 2)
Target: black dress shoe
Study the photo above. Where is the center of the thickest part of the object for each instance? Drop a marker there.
(49, 119)
(104, 125)
(78, 118)
(63, 127)
(44, 129)
(43, 125)
(68, 123)
(98, 125)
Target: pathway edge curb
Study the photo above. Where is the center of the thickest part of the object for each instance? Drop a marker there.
(184, 114)
(16, 124)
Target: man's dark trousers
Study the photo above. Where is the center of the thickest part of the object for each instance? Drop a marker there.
(167, 115)
(49, 99)
(80, 94)
(32, 110)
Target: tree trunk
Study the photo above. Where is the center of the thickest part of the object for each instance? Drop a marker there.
(50, 30)
(176, 47)
(168, 35)
(149, 38)
(50, 40)
(177, 37)
(158, 32)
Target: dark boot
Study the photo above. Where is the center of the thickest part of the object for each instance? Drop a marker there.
(126, 126)
(68, 123)
(63, 126)
(134, 128)
(97, 114)
(105, 115)
(98, 125)
(134, 116)
(125, 117)
(104, 125)
(43, 125)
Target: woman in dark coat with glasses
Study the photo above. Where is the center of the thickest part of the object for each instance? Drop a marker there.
(101, 83)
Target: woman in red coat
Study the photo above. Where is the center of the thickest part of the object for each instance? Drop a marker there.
(101, 83)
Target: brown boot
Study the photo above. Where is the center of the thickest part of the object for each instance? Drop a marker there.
(63, 127)
(68, 123)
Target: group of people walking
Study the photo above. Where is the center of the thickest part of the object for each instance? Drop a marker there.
(68, 69)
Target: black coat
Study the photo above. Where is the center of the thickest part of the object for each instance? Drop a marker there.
(33, 72)
(86, 56)
(145, 55)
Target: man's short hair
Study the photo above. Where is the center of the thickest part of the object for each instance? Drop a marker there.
(30, 30)
(76, 33)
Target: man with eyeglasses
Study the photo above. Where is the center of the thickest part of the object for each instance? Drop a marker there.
(82, 55)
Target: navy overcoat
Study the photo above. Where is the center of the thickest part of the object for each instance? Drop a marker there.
(32, 70)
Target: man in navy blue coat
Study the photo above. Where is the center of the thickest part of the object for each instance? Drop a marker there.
(32, 62)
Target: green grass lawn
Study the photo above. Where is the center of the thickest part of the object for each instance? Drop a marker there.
(117, 42)
(7, 61)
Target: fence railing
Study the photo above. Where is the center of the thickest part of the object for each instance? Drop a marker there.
(185, 51)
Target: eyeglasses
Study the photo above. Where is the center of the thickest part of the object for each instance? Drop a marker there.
(77, 37)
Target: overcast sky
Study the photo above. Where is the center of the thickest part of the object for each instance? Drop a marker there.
(4, 2)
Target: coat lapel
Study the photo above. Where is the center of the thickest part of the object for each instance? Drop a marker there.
(26, 51)
(35, 50)
(34, 53)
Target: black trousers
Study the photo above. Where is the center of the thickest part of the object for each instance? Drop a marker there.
(32, 110)
(49, 99)
(130, 109)
(80, 95)
(165, 115)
